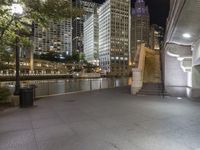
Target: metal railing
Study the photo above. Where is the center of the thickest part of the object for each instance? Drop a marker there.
(56, 87)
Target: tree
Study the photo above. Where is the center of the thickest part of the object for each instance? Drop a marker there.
(39, 11)
(7, 56)
(90, 67)
(75, 57)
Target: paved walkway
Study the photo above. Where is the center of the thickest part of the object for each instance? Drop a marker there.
(103, 120)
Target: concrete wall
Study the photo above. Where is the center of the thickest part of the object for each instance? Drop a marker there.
(194, 92)
(175, 79)
(195, 78)
(196, 53)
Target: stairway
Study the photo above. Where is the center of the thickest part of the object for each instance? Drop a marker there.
(148, 75)
(151, 89)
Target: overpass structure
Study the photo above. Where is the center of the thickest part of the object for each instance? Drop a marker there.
(182, 49)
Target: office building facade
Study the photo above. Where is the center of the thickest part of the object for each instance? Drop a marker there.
(114, 39)
(89, 8)
(156, 37)
(91, 40)
(57, 37)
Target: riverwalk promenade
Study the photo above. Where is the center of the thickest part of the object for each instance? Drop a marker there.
(109, 119)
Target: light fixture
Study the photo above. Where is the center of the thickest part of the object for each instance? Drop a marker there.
(17, 9)
(187, 35)
(179, 98)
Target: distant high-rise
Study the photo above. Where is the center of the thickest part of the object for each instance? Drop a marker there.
(140, 24)
(156, 37)
(57, 37)
(89, 8)
(114, 36)
(91, 39)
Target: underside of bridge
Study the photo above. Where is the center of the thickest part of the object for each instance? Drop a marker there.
(182, 49)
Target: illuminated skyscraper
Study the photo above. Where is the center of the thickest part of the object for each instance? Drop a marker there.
(89, 8)
(140, 24)
(57, 37)
(91, 39)
(114, 36)
(156, 38)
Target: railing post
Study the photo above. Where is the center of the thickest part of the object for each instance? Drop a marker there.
(100, 84)
(90, 84)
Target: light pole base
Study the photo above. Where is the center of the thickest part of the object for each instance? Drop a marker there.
(17, 90)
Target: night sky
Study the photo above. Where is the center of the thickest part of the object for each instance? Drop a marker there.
(158, 10)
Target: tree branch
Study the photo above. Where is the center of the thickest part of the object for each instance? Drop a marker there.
(4, 29)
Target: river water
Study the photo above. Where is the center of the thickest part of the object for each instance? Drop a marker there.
(52, 87)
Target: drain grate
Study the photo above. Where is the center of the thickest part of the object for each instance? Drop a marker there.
(69, 101)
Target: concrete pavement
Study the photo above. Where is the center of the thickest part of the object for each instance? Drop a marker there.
(110, 119)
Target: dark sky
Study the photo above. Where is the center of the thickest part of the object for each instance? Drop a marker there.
(158, 10)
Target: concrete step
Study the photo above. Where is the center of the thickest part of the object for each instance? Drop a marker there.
(151, 89)
(152, 86)
(151, 93)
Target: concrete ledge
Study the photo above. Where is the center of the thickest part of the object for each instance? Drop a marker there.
(135, 90)
(177, 91)
(193, 93)
(14, 100)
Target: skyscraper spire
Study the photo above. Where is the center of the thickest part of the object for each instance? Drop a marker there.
(140, 8)
(139, 1)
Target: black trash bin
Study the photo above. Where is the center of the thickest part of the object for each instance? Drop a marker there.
(26, 97)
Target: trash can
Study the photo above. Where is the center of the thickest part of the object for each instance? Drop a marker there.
(33, 86)
(26, 97)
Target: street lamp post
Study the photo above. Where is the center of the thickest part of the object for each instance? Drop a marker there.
(17, 61)
(17, 11)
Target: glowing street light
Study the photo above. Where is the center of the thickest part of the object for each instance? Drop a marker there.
(187, 35)
(17, 9)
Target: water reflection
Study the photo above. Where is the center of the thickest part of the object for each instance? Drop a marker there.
(50, 87)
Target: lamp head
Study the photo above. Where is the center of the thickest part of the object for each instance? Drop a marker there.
(187, 35)
(16, 9)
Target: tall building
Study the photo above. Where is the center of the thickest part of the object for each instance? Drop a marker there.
(89, 8)
(114, 19)
(57, 37)
(140, 24)
(91, 39)
(156, 37)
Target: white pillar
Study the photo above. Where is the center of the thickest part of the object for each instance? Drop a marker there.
(137, 80)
